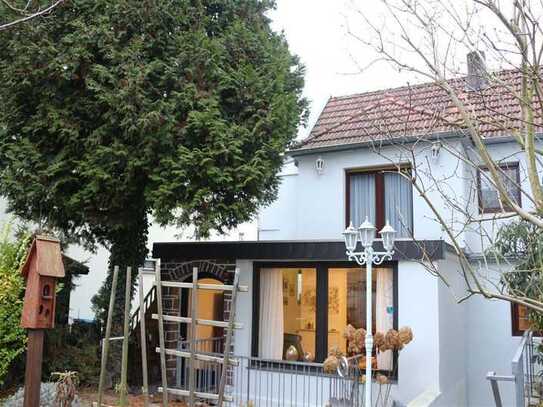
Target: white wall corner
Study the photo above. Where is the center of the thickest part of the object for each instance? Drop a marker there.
(427, 398)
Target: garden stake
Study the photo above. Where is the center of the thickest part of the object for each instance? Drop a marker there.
(158, 280)
(105, 346)
(143, 343)
(124, 363)
(193, 335)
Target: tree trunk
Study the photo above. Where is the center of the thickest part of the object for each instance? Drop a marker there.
(128, 248)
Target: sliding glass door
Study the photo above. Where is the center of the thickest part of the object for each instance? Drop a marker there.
(301, 312)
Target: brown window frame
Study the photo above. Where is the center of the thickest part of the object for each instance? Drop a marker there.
(506, 208)
(379, 173)
(515, 321)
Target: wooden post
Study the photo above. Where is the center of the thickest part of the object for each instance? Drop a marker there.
(193, 334)
(41, 269)
(145, 389)
(34, 356)
(126, 333)
(105, 347)
(158, 279)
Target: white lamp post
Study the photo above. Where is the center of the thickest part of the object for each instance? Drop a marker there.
(367, 257)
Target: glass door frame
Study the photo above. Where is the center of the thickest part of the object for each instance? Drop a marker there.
(321, 343)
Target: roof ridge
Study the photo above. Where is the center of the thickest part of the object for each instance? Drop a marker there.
(427, 100)
(411, 86)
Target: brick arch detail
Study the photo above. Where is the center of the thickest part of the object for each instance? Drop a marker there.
(173, 271)
(206, 268)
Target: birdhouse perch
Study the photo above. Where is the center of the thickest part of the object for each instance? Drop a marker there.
(42, 267)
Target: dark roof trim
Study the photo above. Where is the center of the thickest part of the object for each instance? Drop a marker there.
(436, 136)
(294, 152)
(288, 250)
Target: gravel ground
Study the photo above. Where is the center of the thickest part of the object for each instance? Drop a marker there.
(48, 392)
(86, 398)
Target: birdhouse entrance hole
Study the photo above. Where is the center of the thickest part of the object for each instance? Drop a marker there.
(46, 291)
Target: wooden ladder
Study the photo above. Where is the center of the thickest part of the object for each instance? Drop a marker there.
(226, 360)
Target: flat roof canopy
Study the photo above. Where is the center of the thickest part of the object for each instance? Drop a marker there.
(289, 250)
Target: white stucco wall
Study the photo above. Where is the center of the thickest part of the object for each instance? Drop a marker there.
(312, 206)
(479, 234)
(418, 305)
(490, 345)
(418, 308)
(452, 335)
(456, 345)
(244, 310)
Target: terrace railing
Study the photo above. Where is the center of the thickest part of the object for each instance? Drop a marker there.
(259, 382)
(522, 374)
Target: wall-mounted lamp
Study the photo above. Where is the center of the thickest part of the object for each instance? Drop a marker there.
(319, 165)
(436, 149)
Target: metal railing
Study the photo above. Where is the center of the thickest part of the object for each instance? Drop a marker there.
(207, 345)
(523, 374)
(255, 381)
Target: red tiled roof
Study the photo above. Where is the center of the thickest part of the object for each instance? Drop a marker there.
(417, 111)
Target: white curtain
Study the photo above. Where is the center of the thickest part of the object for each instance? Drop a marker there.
(384, 311)
(271, 314)
(362, 198)
(399, 204)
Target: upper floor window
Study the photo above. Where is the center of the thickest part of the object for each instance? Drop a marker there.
(520, 320)
(380, 195)
(489, 198)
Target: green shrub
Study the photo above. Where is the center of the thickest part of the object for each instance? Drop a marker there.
(12, 336)
(74, 348)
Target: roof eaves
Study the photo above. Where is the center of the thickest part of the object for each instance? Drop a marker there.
(364, 144)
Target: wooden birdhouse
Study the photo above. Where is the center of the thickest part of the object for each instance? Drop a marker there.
(42, 267)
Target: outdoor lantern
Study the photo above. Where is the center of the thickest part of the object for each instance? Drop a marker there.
(319, 165)
(367, 233)
(388, 234)
(367, 258)
(42, 268)
(350, 235)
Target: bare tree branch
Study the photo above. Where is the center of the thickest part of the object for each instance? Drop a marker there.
(27, 16)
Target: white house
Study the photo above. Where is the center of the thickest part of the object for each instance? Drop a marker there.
(304, 292)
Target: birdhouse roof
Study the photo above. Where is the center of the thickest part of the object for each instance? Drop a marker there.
(45, 251)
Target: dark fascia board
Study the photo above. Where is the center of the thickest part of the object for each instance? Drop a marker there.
(295, 152)
(403, 140)
(296, 250)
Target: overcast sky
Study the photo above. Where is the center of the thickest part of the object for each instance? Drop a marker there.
(316, 31)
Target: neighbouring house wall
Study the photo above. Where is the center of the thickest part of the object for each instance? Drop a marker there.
(88, 285)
